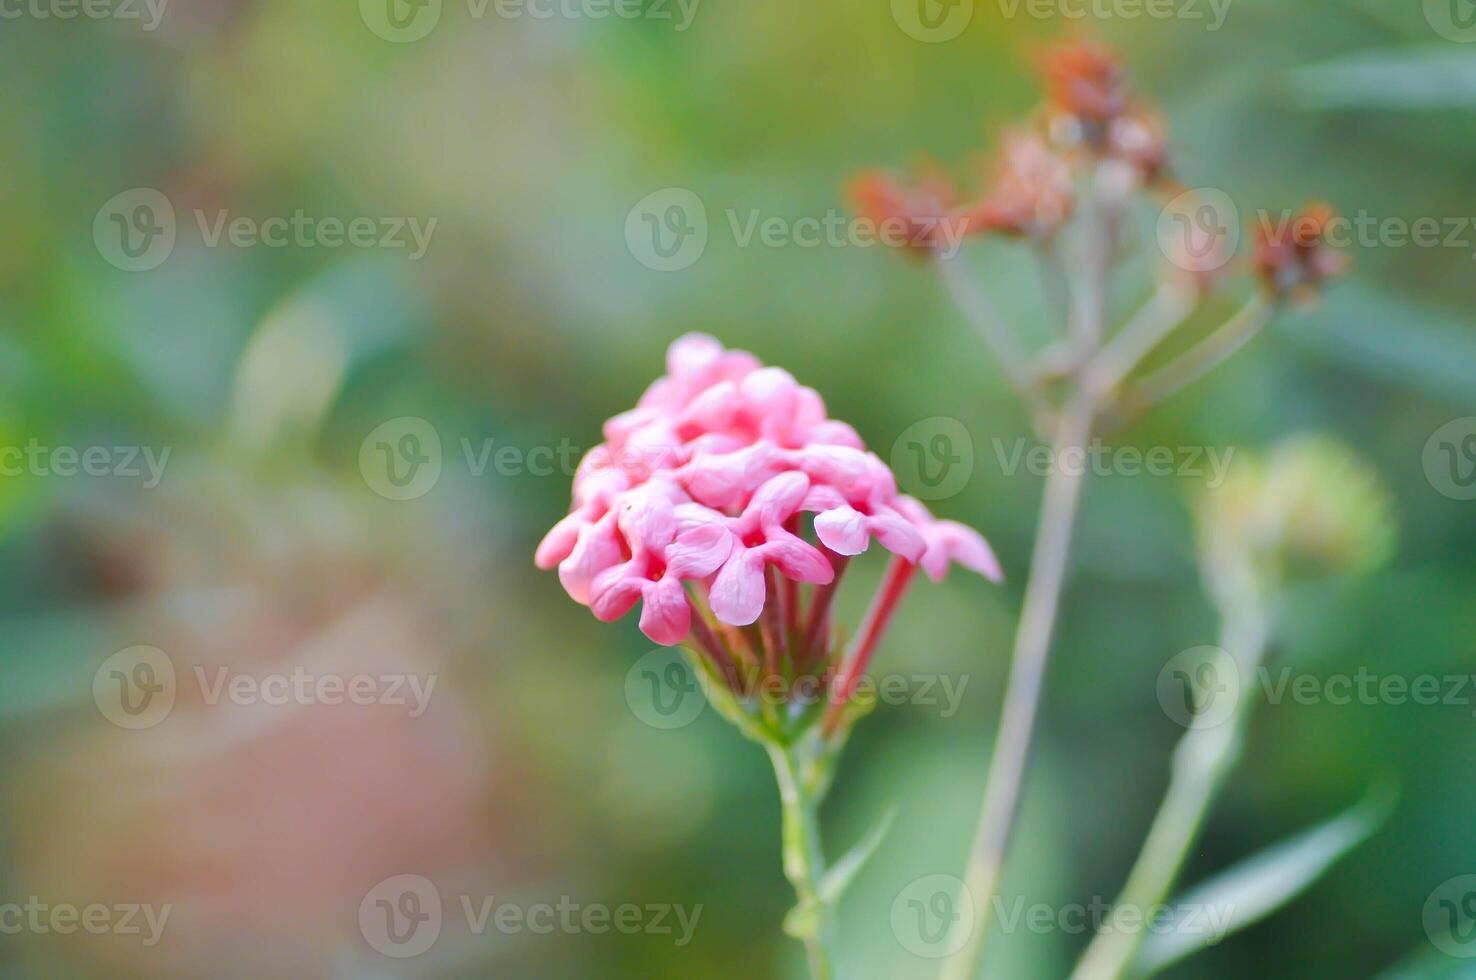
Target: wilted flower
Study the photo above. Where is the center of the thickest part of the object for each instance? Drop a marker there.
(1086, 86)
(913, 212)
(694, 506)
(1297, 259)
(1030, 193)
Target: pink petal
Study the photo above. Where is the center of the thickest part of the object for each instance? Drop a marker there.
(698, 552)
(737, 595)
(843, 530)
(797, 560)
(897, 534)
(666, 615)
(559, 541)
(777, 500)
(614, 591)
(597, 549)
(692, 353)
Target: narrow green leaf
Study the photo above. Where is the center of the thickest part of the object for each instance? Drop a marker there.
(842, 871)
(1423, 77)
(1258, 886)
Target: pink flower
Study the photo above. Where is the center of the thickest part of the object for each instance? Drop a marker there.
(704, 489)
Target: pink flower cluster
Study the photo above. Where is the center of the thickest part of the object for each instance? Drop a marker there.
(705, 481)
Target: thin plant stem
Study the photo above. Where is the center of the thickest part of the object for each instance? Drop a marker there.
(820, 607)
(1027, 676)
(1165, 310)
(884, 604)
(804, 859)
(975, 305)
(702, 636)
(1198, 361)
(1202, 760)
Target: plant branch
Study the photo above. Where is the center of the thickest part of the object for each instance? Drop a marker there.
(1202, 760)
(1027, 676)
(1198, 361)
(1165, 310)
(800, 790)
(975, 305)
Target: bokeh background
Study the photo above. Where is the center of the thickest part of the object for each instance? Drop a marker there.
(268, 544)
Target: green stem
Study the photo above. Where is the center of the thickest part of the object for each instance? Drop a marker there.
(800, 770)
(1202, 760)
(1027, 679)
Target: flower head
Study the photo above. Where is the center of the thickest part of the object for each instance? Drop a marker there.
(917, 214)
(1031, 191)
(1084, 82)
(1297, 259)
(703, 485)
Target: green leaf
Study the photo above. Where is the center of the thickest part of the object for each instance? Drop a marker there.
(1428, 963)
(842, 871)
(1423, 77)
(1259, 885)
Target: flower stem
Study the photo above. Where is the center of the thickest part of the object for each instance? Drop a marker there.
(1201, 761)
(1027, 676)
(801, 787)
(883, 606)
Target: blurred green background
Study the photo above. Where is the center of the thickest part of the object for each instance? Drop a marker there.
(527, 321)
